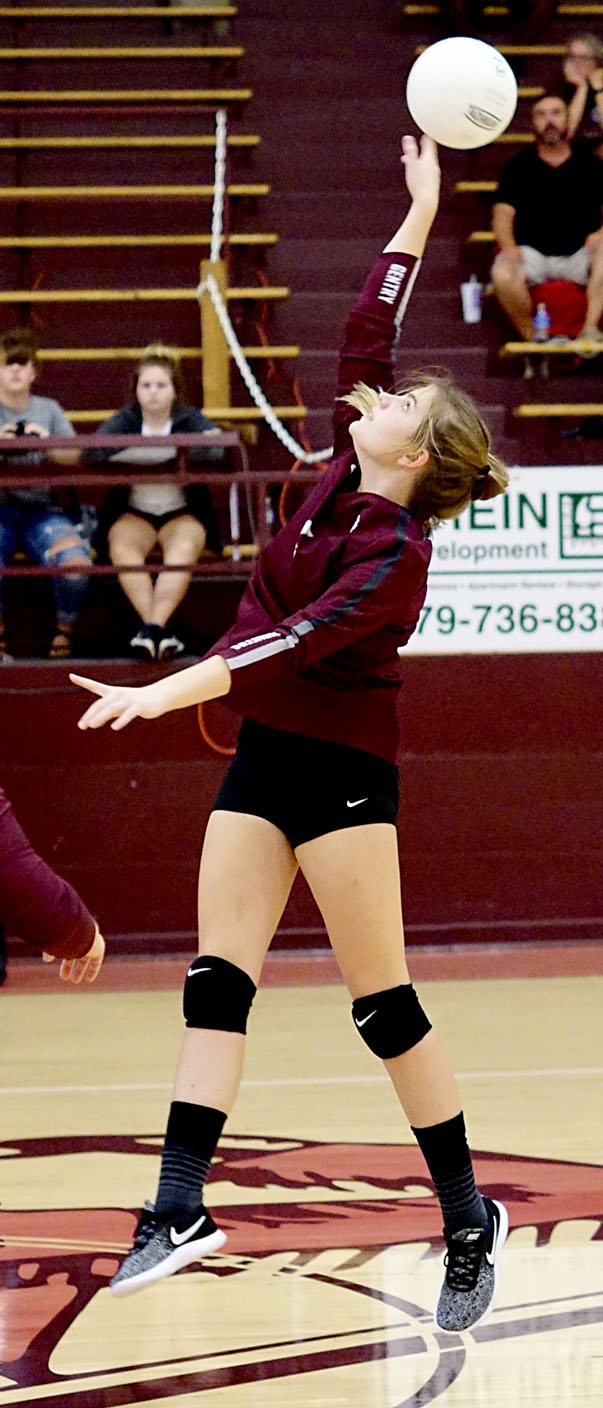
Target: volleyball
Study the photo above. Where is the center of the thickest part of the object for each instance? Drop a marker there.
(461, 92)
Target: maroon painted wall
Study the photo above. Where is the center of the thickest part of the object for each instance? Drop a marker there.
(500, 826)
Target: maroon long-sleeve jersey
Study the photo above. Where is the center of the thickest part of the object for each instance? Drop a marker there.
(35, 903)
(340, 588)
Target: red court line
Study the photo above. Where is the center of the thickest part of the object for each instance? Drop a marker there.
(315, 968)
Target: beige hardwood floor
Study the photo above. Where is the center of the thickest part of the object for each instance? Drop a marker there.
(324, 1292)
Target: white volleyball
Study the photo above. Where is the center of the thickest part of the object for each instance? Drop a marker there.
(461, 92)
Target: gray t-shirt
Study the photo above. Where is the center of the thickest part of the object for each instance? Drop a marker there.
(51, 416)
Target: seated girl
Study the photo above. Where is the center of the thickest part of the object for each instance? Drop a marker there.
(179, 520)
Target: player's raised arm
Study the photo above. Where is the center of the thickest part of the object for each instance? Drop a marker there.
(373, 326)
(422, 172)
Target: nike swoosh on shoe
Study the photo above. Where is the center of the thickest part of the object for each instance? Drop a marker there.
(179, 1237)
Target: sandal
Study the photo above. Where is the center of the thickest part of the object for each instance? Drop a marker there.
(60, 648)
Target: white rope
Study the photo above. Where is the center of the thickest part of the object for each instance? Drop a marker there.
(217, 217)
(209, 285)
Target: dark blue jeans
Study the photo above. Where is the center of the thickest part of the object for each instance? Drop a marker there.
(37, 532)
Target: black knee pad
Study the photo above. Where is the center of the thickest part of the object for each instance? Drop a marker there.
(217, 995)
(391, 1022)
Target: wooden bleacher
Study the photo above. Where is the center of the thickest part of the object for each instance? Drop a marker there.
(223, 415)
(100, 53)
(204, 191)
(116, 12)
(556, 410)
(254, 293)
(254, 240)
(574, 347)
(110, 107)
(214, 97)
(133, 354)
(235, 141)
(503, 12)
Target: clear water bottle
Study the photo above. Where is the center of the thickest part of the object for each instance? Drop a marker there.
(472, 293)
(270, 516)
(541, 323)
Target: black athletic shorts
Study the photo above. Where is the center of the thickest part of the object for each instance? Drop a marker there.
(157, 520)
(306, 786)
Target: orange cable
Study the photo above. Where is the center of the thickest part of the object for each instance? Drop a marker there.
(207, 738)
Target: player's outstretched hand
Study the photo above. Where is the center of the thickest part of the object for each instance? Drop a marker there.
(119, 703)
(421, 169)
(72, 970)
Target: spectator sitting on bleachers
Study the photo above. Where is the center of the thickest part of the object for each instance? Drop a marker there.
(180, 521)
(34, 518)
(547, 220)
(583, 73)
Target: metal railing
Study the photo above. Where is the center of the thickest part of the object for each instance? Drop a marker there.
(79, 476)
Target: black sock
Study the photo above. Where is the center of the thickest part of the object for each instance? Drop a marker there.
(191, 1137)
(446, 1152)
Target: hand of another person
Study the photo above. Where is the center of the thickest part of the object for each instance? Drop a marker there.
(72, 970)
(511, 256)
(120, 703)
(572, 72)
(421, 170)
(593, 241)
(595, 80)
(32, 428)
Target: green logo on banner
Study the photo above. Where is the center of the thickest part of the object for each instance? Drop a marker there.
(581, 526)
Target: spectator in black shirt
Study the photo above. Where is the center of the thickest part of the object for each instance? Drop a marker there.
(547, 220)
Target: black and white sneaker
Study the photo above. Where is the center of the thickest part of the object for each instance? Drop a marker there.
(469, 1289)
(145, 642)
(170, 646)
(163, 1244)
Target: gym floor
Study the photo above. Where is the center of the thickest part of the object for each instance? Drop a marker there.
(324, 1292)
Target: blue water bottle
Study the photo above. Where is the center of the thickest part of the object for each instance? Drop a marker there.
(541, 323)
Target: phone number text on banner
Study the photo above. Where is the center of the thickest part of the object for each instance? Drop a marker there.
(523, 572)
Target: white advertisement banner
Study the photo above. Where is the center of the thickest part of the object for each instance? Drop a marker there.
(522, 572)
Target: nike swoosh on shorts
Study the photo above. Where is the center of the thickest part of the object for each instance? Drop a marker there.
(358, 803)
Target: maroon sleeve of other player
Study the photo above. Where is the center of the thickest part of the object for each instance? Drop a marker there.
(35, 903)
(371, 334)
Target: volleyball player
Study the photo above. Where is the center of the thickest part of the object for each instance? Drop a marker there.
(312, 666)
(42, 909)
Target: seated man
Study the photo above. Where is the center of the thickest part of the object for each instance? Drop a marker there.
(32, 517)
(547, 220)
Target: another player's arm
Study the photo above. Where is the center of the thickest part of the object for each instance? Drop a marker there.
(42, 908)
